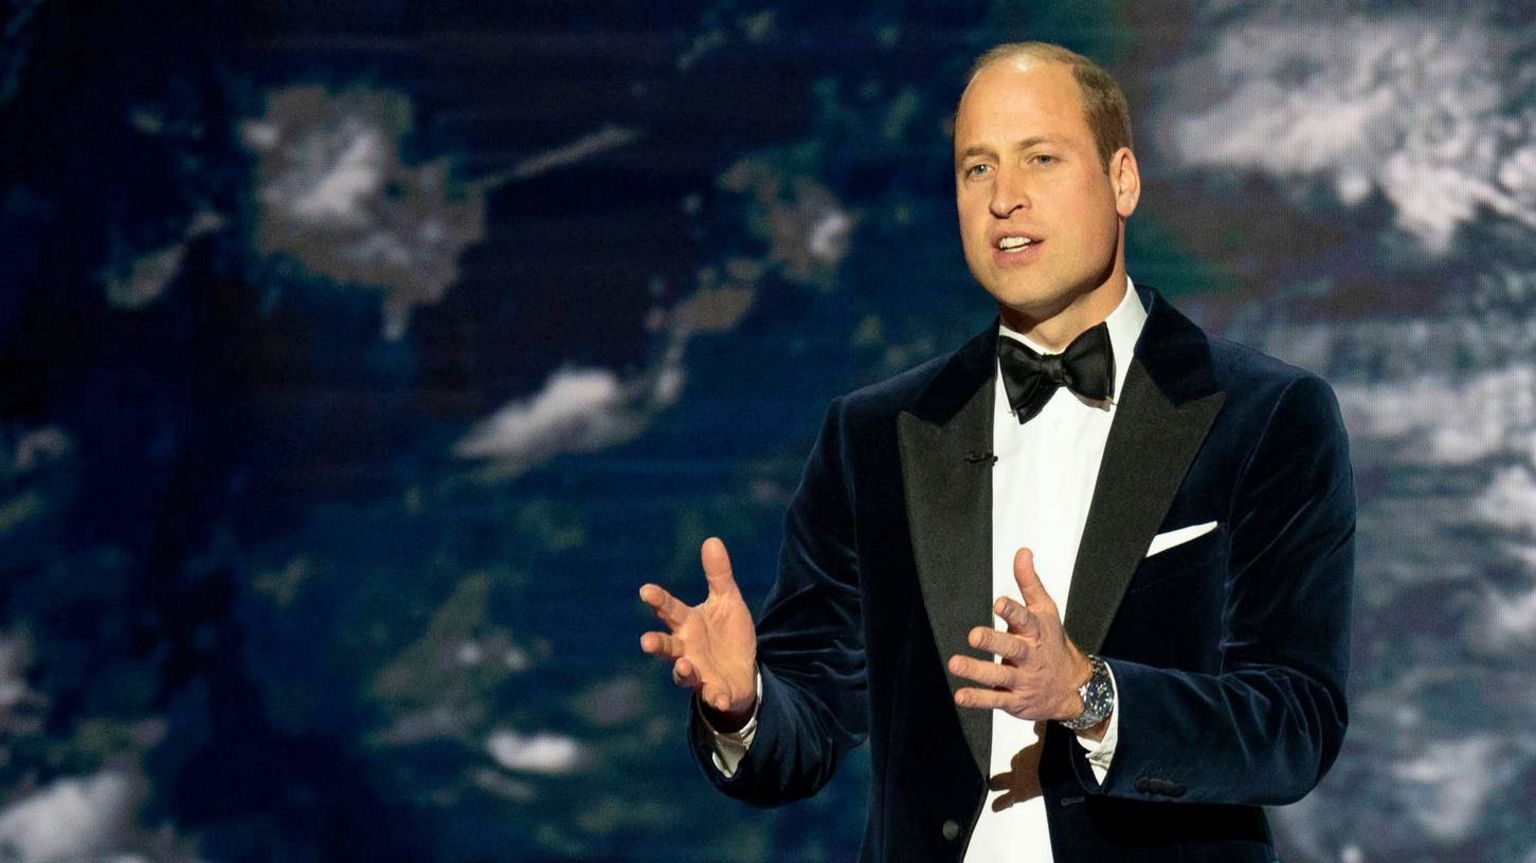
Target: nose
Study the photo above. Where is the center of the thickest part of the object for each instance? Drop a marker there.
(1008, 193)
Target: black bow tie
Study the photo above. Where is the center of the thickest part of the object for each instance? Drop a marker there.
(1086, 367)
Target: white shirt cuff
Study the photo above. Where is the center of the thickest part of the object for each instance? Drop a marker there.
(1100, 752)
(731, 746)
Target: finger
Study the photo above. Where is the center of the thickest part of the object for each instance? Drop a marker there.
(1029, 581)
(983, 699)
(716, 697)
(717, 694)
(717, 567)
(1005, 644)
(685, 674)
(985, 673)
(661, 645)
(667, 607)
(1018, 618)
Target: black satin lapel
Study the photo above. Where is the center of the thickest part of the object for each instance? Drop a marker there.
(949, 511)
(1151, 444)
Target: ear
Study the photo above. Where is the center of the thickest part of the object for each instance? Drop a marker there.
(1125, 181)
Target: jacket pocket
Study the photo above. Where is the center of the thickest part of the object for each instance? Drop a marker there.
(1186, 559)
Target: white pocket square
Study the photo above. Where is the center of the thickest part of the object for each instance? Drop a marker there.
(1165, 541)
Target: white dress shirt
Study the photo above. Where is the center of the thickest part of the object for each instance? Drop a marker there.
(1042, 485)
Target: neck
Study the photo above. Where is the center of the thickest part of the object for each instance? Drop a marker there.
(1056, 329)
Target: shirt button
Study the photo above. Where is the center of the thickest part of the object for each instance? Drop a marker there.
(951, 829)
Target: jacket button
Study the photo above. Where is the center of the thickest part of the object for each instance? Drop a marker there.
(951, 829)
(1144, 785)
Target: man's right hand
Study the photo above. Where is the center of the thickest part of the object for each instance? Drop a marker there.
(713, 645)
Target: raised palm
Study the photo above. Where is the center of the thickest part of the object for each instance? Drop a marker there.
(713, 645)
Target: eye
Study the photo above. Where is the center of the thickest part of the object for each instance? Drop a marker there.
(1044, 159)
(978, 169)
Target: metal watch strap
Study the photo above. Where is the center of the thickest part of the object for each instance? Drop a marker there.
(1098, 696)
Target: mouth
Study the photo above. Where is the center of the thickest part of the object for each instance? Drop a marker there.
(1015, 244)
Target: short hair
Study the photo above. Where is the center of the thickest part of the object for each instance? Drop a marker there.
(1104, 105)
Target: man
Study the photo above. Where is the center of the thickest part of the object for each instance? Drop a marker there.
(1186, 500)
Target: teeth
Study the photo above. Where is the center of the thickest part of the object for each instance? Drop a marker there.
(1010, 243)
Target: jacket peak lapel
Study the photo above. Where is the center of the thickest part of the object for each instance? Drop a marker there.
(1169, 403)
(948, 492)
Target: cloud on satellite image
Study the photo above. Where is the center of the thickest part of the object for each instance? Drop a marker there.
(577, 411)
(1489, 413)
(334, 193)
(38, 476)
(1448, 785)
(71, 819)
(138, 282)
(541, 752)
(23, 710)
(1417, 108)
(606, 138)
(805, 226)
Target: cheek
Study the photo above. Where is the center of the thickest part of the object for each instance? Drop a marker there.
(968, 204)
(972, 229)
(1096, 213)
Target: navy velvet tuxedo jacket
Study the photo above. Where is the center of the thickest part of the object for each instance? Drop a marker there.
(1229, 651)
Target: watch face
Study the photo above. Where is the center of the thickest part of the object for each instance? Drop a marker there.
(1097, 696)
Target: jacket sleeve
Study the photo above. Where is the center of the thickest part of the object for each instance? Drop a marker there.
(1268, 724)
(810, 645)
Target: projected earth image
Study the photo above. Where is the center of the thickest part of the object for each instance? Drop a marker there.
(358, 362)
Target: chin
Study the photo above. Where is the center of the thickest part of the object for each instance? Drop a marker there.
(1031, 302)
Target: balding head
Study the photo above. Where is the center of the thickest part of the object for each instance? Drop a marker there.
(1104, 105)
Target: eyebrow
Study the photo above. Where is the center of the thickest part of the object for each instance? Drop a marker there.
(983, 150)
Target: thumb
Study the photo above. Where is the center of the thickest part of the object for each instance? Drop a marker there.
(717, 567)
(1028, 581)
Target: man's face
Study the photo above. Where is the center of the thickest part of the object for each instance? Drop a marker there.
(1040, 220)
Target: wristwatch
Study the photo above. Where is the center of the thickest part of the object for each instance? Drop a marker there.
(1098, 696)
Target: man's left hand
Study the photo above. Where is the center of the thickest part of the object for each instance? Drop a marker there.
(1041, 668)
